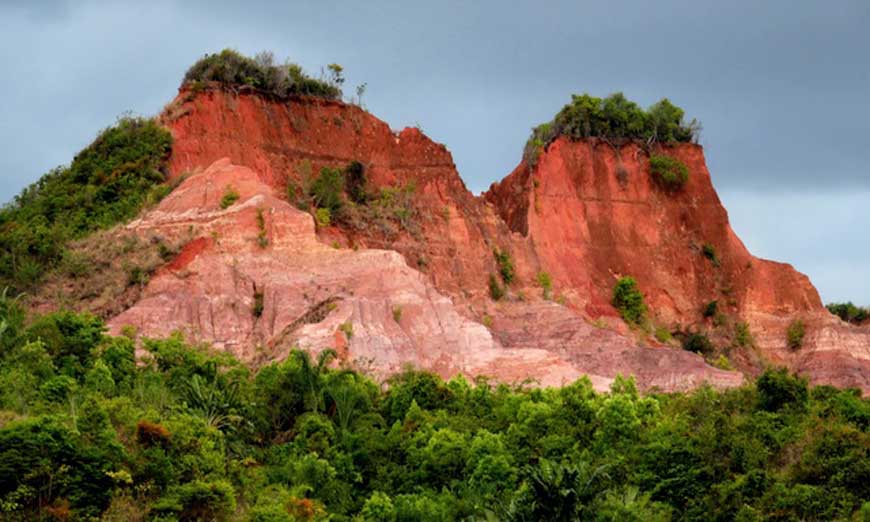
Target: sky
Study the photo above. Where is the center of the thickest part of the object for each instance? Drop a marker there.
(780, 87)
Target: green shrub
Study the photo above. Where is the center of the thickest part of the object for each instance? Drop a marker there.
(742, 335)
(546, 283)
(723, 363)
(230, 196)
(355, 183)
(613, 118)
(198, 500)
(397, 313)
(496, 291)
(709, 251)
(326, 190)
(262, 237)
(699, 343)
(109, 182)
(259, 303)
(69, 338)
(629, 301)
(849, 312)
(662, 334)
(668, 172)
(711, 308)
(795, 334)
(322, 217)
(347, 329)
(505, 265)
(233, 70)
(777, 390)
(378, 508)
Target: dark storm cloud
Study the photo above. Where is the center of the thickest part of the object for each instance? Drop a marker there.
(779, 86)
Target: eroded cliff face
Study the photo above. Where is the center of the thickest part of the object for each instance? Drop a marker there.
(587, 214)
(593, 213)
(255, 280)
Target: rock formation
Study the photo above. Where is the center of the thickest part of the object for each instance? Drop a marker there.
(258, 277)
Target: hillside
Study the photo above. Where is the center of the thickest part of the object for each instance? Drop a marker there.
(584, 215)
(266, 305)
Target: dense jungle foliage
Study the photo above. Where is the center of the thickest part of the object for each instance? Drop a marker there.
(233, 70)
(107, 183)
(614, 118)
(86, 433)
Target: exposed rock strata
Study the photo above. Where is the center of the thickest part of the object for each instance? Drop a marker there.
(586, 214)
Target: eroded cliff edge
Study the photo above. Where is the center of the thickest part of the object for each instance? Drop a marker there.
(586, 214)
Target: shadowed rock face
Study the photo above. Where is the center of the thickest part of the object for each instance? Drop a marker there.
(586, 214)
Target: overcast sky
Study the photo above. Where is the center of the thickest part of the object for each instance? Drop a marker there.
(780, 87)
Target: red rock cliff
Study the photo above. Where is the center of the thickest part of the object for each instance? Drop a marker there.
(592, 213)
(586, 214)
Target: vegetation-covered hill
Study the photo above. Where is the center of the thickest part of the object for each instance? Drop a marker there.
(107, 183)
(87, 434)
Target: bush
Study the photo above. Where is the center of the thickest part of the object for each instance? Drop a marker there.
(347, 329)
(709, 251)
(711, 308)
(326, 190)
(262, 236)
(742, 335)
(613, 118)
(668, 172)
(628, 300)
(698, 343)
(107, 183)
(233, 70)
(355, 183)
(662, 334)
(495, 289)
(546, 283)
(794, 335)
(230, 196)
(323, 217)
(69, 338)
(505, 265)
(777, 390)
(259, 303)
(198, 500)
(849, 312)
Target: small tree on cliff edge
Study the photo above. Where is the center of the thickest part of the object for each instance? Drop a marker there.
(629, 301)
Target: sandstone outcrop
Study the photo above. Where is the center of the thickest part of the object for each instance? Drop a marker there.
(256, 281)
(586, 214)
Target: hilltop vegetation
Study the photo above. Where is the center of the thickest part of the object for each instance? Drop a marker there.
(86, 433)
(234, 70)
(107, 183)
(849, 312)
(614, 118)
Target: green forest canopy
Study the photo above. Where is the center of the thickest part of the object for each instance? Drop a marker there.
(195, 435)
